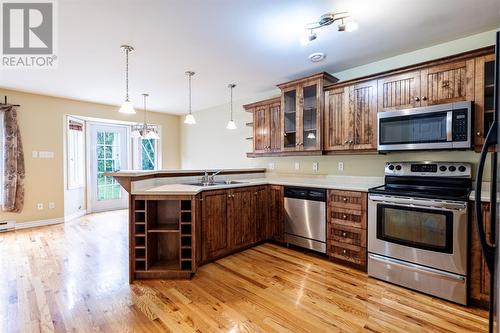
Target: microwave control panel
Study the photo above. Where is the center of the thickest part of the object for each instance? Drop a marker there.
(460, 125)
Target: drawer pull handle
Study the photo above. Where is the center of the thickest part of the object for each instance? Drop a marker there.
(344, 217)
(344, 234)
(345, 199)
(344, 251)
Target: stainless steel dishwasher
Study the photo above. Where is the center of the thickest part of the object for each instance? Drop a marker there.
(305, 218)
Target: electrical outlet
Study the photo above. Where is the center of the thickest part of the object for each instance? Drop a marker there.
(341, 166)
(272, 166)
(297, 166)
(34, 154)
(52, 205)
(315, 166)
(39, 206)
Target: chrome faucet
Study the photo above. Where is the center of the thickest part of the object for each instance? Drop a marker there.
(209, 180)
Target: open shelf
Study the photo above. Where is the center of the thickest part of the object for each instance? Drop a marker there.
(163, 251)
(140, 205)
(163, 215)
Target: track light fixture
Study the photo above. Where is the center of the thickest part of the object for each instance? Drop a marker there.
(326, 20)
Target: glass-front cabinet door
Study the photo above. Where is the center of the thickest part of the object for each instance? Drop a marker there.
(310, 117)
(290, 116)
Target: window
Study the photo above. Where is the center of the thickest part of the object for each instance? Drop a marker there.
(145, 154)
(2, 158)
(108, 148)
(76, 153)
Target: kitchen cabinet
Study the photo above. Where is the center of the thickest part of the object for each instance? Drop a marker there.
(241, 216)
(346, 227)
(277, 212)
(266, 125)
(336, 119)
(484, 97)
(264, 228)
(302, 103)
(215, 236)
(351, 117)
(479, 276)
(401, 91)
(443, 83)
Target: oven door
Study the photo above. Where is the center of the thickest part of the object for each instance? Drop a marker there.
(432, 233)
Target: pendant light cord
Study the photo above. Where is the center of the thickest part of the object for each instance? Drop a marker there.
(231, 103)
(126, 73)
(190, 75)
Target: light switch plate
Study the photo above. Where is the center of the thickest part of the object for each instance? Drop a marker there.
(315, 166)
(46, 154)
(297, 165)
(34, 154)
(341, 166)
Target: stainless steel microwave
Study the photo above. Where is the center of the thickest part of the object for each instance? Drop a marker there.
(443, 126)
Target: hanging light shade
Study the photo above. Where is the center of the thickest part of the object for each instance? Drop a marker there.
(189, 117)
(231, 125)
(127, 106)
(144, 130)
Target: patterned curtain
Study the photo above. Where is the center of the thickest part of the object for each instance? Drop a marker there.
(14, 173)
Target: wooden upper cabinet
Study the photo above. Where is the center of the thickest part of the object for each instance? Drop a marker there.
(336, 119)
(447, 83)
(215, 225)
(400, 91)
(266, 125)
(362, 116)
(261, 138)
(484, 97)
(302, 103)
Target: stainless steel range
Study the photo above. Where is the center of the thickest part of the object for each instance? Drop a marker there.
(418, 228)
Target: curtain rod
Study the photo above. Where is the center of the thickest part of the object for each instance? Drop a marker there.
(5, 102)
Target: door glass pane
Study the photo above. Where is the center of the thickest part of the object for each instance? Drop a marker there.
(108, 160)
(413, 129)
(415, 227)
(310, 130)
(290, 112)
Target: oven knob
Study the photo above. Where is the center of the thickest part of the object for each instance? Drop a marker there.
(398, 167)
(442, 168)
(452, 168)
(390, 167)
(461, 168)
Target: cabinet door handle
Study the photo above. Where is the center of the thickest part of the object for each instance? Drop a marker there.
(350, 142)
(346, 141)
(229, 195)
(344, 217)
(417, 99)
(478, 133)
(344, 199)
(344, 251)
(424, 98)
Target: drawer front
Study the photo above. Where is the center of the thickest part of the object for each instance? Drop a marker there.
(347, 252)
(347, 217)
(347, 199)
(338, 233)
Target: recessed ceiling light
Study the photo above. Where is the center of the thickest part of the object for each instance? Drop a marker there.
(317, 57)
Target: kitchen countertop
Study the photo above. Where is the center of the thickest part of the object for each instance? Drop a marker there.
(136, 173)
(350, 183)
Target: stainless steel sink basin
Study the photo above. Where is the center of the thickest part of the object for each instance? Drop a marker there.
(216, 183)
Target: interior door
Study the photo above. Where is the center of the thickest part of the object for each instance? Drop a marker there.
(109, 151)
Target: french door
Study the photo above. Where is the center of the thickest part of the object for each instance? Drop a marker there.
(109, 151)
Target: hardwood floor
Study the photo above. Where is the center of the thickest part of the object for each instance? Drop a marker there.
(73, 277)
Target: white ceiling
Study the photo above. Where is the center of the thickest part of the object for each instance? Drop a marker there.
(253, 43)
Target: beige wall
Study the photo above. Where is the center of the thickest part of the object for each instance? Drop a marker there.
(209, 145)
(41, 121)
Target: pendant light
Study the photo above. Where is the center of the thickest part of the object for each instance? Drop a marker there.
(189, 117)
(231, 125)
(144, 130)
(127, 106)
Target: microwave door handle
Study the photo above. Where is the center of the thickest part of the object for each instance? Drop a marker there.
(449, 126)
(488, 250)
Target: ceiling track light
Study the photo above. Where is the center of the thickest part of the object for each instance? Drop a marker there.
(326, 20)
(127, 106)
(189, 117)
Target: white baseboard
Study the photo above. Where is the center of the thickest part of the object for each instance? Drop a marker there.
(75, 215)
(39, 223)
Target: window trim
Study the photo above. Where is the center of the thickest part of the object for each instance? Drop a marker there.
(69, 183)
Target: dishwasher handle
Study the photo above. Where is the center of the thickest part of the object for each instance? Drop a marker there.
(306, 193)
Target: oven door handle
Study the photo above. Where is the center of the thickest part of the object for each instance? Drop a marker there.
(410, 202)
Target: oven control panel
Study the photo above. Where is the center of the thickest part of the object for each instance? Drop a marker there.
(429, 169)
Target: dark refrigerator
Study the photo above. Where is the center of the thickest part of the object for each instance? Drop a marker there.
(488, 244)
